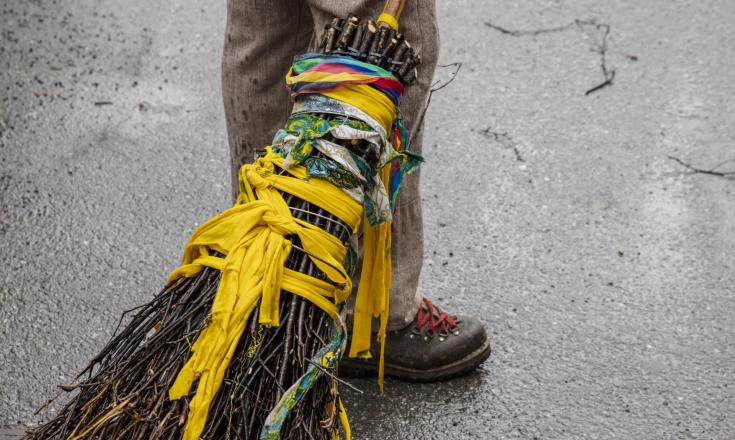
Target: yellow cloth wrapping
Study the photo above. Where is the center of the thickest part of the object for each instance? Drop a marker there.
(363, 96)
(368, 99)
(251, 235)
(373, 293)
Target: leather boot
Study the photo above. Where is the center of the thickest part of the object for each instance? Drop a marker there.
(435, 346)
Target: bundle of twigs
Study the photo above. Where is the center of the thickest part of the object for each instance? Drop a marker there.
(123, 391)
(125, 395)
(365, 41)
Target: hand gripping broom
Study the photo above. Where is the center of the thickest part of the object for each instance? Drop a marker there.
(244, 340)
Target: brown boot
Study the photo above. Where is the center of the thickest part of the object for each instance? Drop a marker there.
(435, 346)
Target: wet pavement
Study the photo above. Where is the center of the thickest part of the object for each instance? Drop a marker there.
(603, 268)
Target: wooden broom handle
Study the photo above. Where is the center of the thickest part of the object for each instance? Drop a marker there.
(392, 8)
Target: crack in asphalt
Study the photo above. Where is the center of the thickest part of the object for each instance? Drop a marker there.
(505, 140)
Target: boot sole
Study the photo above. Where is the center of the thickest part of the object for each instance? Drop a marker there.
(356, 369)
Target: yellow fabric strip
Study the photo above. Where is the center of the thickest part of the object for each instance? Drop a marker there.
(373, 293)
(252, 236)
(363, 96)
(344, 421)
(389, 20)
(298, 284)
(368, 99)
(317, 191)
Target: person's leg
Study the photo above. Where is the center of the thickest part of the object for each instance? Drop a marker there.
(261, 40)
(418, 24)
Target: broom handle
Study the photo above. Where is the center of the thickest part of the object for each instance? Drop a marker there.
(391, 13)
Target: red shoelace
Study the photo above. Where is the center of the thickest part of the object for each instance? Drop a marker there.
(435, 318)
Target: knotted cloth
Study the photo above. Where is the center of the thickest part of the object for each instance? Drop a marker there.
(253, 238)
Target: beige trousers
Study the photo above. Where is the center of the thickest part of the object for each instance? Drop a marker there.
(261, 39)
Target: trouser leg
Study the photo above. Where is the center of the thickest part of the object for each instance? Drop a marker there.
(261, 39)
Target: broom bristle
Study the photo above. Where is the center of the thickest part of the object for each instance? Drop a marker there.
(126, 392)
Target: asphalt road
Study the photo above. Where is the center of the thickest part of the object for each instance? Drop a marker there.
(603, 269)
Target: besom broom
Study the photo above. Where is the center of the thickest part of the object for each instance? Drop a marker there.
(245, 339)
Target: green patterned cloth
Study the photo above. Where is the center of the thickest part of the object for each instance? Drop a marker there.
(306, 133)
(326, 358)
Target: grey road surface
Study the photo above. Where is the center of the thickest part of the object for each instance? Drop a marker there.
(603, 268)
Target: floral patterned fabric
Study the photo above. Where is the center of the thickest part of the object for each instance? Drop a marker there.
(306, 132)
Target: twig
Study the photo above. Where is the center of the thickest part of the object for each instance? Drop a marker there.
(45, 405)
(711, 171)
(434, 87)
(438, 85)
(522, 33)
(609, 75)
(334, 376)
(600, 47)
(607, 82)
(724, 162)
